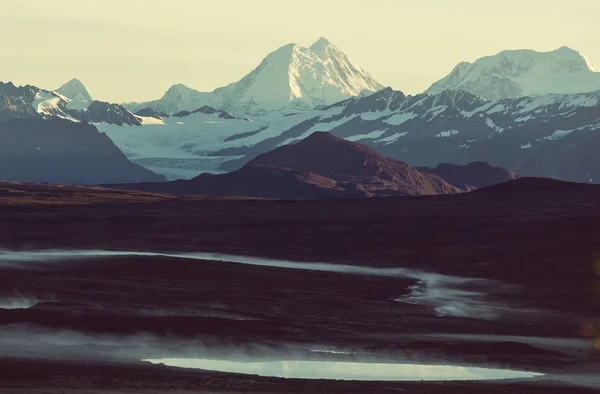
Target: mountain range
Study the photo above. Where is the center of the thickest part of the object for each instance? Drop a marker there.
(534, 113)
(32, 102)
(549, 136)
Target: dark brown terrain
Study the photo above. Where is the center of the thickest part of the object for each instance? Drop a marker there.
(473, 175)
(531, 243)
(320, 166)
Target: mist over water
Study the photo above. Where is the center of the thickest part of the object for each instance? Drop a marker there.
(441, 292)
(17, 302)
(446, 295)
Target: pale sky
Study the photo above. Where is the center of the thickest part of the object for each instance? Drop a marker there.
(134, 50)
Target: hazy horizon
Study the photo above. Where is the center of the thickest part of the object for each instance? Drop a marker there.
(134, 50)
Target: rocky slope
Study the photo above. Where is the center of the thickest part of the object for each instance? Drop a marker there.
(321, 166)
(31, 101)
(15, 107)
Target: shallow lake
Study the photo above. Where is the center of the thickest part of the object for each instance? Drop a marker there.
(346, 370)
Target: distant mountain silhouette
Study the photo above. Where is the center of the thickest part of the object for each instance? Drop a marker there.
(61, 151)
(477, 174)
(150, 113)
(207, 110)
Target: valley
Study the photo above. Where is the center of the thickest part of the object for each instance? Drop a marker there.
(209, 206)
(89, 287)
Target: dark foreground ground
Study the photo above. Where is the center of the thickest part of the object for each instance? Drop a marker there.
(535, 241)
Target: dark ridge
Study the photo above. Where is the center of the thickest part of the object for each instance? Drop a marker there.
(321, 166)
(206, 110)
(62, 151)
(99, 111)
(244, 135)
(475, 174)
(546, 188)
(150, 113)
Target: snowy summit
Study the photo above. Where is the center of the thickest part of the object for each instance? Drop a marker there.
(519, 73)
(291, 78)
(75, 91)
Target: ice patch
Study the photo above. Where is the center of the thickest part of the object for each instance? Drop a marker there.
(523, 119)
(373, 115)
(437, 111)
(497, 108)
(558, 134)
(392, 138)
(447, 133)
(537, 103)
(178, 138)
(483, 108)
(490, 123)
(398, 119)
(371, 136)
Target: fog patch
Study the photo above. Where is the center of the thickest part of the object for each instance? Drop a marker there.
(446, 294)
(467, 299)
(18, 302)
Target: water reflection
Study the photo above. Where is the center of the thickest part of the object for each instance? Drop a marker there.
(346, 370)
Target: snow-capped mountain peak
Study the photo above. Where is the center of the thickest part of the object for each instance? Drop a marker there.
(74, 90)
(291, 78)
(176, 99)
(525, 72)
(322, 42)
(180, 92)
(294, 78)
(322, 48)
(343, 71)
